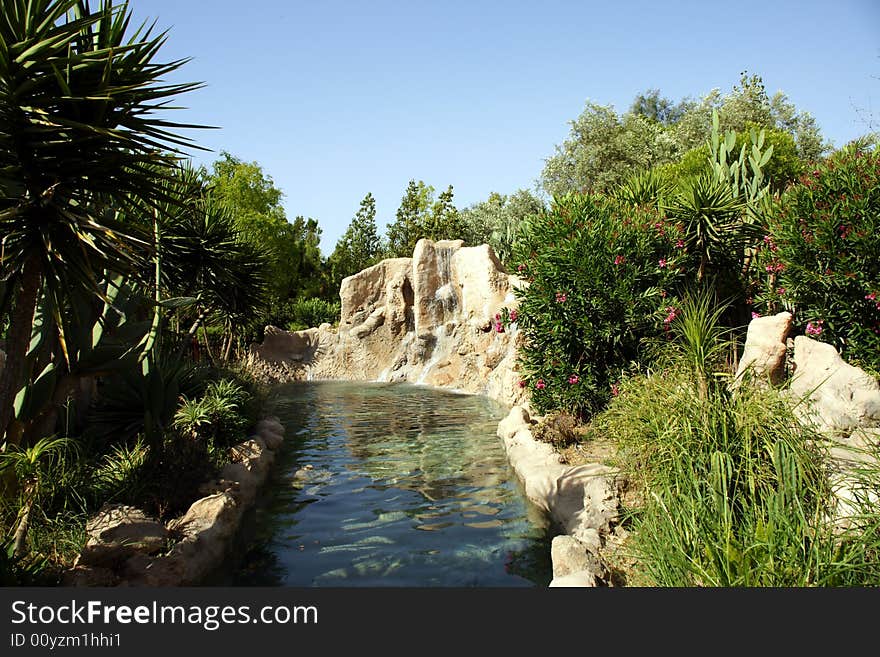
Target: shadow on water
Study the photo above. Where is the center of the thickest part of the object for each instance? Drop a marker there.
(389, 485)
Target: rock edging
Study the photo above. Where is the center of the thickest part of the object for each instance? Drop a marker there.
(583, 500)
(127, 548)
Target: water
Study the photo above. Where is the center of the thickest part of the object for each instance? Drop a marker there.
(390, 485)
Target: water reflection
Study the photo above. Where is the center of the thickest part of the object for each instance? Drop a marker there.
(391, 485)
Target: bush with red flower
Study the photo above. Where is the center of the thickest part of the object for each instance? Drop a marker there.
(821, 258)
(603, 279)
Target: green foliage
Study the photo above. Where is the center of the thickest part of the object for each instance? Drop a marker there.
(602, 278)
(311, 313)
(21, 569)
(649, 187)
(358, 248)
(254, 203)
(603, 148)
(822, 256)
(711, 218)
(733, 489)
(497, 221)
(84, 139)
(121, 474)
(216, 419)
(411, 219)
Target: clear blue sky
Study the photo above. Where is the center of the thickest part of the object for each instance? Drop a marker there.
(337, 99)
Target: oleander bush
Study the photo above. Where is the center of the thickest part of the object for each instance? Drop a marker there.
(602, 277)
(821, 258)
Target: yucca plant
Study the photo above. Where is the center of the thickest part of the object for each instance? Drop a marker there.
(81, 138)
(31, 467)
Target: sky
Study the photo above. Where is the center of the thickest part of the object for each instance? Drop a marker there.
(337, 99)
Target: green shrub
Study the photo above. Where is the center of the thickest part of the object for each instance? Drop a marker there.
(732, 488)
(822, 256)
(601, 279)
(309, 313)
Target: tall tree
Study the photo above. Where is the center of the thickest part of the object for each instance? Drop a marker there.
(498, 220)
(603, 148)
(444, 221)
(410, 223)
(255, 204)
(80, 141)
(359, 246)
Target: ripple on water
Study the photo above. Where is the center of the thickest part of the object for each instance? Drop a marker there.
(391, 485)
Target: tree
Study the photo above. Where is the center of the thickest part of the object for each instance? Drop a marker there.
(80, 143)
(358, 248)
(255, 204)
(659, 109)
(497, 220)
(410, 223)
(604, 149)
(444, 221)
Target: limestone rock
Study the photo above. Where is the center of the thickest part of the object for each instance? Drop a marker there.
(482, 284)
(861, 447)
(838, 397)
(428, 319)
(117, 532)
(764, 352)
(580, 579)
(82, 575)
(518, 418)
(570, 556)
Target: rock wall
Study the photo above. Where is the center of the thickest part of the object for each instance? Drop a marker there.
(838, 401)
(125, 547)
(429, 319)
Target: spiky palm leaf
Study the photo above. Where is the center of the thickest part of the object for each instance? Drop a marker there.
(80, 138)
(712, 220)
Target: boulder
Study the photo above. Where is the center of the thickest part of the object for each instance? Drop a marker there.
(580, 579)
(832, 394)
(765, 348)
(117, 532)
(481, 282)
(570, 556)
(429, 319)
(518, 418)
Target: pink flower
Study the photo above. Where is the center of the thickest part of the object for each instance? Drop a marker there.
(521, 268)
(513, 315)
(560, 297)
(499, 327)
(573, 379)
(522, 383)
(780, 291)
(679, 244)
(540, 385)
(619, 260)
(755, 315)
(497, 317)
(615, 390)
(814, 329)
(871, 297)
(662, 263)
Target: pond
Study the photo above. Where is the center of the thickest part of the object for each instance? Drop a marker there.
(390, 485)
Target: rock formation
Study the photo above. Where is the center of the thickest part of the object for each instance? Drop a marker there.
(430, 319)
(127, 548)
(838, 401)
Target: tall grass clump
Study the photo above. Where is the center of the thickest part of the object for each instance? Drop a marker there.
(733, 488)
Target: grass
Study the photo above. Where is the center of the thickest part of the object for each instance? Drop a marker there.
(734, 490)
